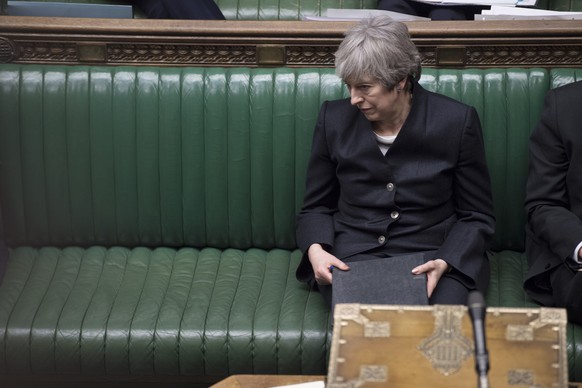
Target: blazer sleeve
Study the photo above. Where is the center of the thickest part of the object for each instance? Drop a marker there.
(547, 200)
(469, 238)
(315, 220)
(315, 223)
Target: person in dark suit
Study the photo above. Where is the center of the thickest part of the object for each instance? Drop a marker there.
(554, 203)
(396, 169)
(434, 12)
(180, 9)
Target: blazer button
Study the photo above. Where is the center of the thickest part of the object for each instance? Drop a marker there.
(381, 240)
(390, 187)
(394, 215)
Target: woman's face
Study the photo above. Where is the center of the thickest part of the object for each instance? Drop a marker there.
(374, 100)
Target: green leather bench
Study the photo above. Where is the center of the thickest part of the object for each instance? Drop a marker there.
(297, 9)
(149, 215)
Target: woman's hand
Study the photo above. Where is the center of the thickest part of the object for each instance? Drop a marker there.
(323, 262)
(434, 269)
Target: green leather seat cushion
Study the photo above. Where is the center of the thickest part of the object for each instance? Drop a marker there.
(165, 311)
(143, 311)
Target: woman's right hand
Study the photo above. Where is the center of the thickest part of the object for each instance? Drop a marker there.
(323, 262)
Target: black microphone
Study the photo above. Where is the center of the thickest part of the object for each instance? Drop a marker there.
(477, 310)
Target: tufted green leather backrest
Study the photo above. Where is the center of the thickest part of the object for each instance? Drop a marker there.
(137, 156)
(560, 5)
(286, 10)
(560, 77)
(146, 156)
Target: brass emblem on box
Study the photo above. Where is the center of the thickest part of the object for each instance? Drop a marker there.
(377, 329)
(447, 348)
(520, 377)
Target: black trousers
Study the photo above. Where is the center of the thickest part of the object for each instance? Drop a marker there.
(435, 12)
(567, 291)
(180, 9)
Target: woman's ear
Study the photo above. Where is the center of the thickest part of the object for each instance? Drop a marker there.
(400, 86)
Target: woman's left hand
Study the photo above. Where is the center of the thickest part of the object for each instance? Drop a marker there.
(434, 269)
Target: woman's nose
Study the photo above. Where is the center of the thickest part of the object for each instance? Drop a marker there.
(356, 98)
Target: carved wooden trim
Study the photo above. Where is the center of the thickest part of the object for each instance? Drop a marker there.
(278, 43)
(179, 54)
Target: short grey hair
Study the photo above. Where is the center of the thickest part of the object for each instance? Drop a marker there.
(378, 47)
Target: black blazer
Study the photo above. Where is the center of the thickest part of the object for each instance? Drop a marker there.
(430, 192)
(554, 189)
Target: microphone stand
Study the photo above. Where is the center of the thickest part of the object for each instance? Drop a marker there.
(477, 311)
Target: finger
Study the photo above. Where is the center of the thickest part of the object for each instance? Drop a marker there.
(431, 283)
(325, 273)
(426, 267)
(338, 264)
(324, 279)
(429, 289)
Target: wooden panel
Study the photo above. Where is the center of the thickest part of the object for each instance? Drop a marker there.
(278, 43)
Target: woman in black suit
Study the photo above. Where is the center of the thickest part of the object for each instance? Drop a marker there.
(180, 9)
(396, 169)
